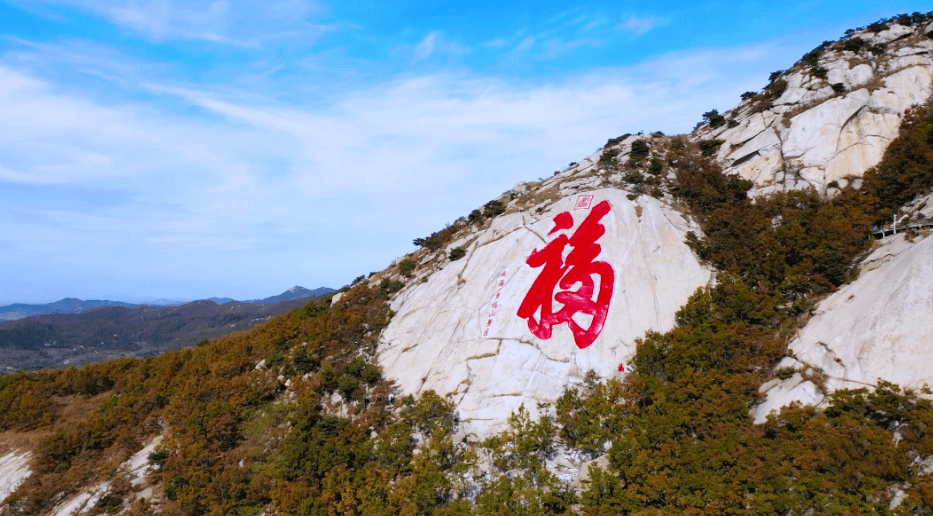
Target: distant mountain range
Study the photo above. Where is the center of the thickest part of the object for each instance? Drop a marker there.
(80, 332)
(71, 305)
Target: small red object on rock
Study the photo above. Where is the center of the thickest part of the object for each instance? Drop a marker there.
(621, 368)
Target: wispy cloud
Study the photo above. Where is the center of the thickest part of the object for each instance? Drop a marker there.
(496, 43)
(525, 44)
(638, 26)
(435, 43)
(235, 181)
(247, 23)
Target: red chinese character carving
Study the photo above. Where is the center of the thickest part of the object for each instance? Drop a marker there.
(578, 267)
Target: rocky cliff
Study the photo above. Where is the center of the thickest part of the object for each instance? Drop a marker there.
(879, 327)
(462, 333)
(822, 124)
(828, 119)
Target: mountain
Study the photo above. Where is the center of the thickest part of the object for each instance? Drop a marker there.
(295, 292)
(103, 333)
(819, 125)
(74, 306)
(69, 305)
(629, 336)
(78, 332)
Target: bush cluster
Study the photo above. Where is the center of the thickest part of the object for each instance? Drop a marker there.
(638, 153)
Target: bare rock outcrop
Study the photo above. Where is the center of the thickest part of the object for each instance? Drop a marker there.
(824, 125)
(14, 468)
(879, 327)
(461, 332)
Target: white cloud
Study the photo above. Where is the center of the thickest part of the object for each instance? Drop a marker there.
(320, 192)
(233, 22)
(638, 26)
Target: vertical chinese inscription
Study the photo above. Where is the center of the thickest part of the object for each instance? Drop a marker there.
(500, 282)
(578, 267)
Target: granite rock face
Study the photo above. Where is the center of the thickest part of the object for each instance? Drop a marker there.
(825, 132)
(879, 327)
(460, 328)
(460, 333)
(14, 468)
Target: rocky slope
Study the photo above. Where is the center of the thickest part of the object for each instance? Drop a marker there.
(461, 331)
(879, 327)
(820, 124)
(831, 116)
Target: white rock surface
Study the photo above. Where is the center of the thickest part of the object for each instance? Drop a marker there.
(783, 393)
(880, 326)
(134, 469)
(812, 136)
(459, 333)
(14, 468)
(138, 465)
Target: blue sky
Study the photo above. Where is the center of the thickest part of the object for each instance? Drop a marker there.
(169, 149)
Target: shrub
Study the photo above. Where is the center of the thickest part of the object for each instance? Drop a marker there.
(713, 119)
(656, 166)
(639, 151)
(620, 139)
(111, 503)
(158, 457)
(493, 208)
(389, 286)
(855, 45)
(812, 57)
(748, 95)
(777, 88)
(428, 243)
(879, 25)
(306, 360)
(457, 253)
(406, 267)
(475, 217)
(709, 147)
(607, 158)
(174, 487)
(839, 87)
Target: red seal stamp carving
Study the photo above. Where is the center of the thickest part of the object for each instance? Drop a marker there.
(583, 202)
